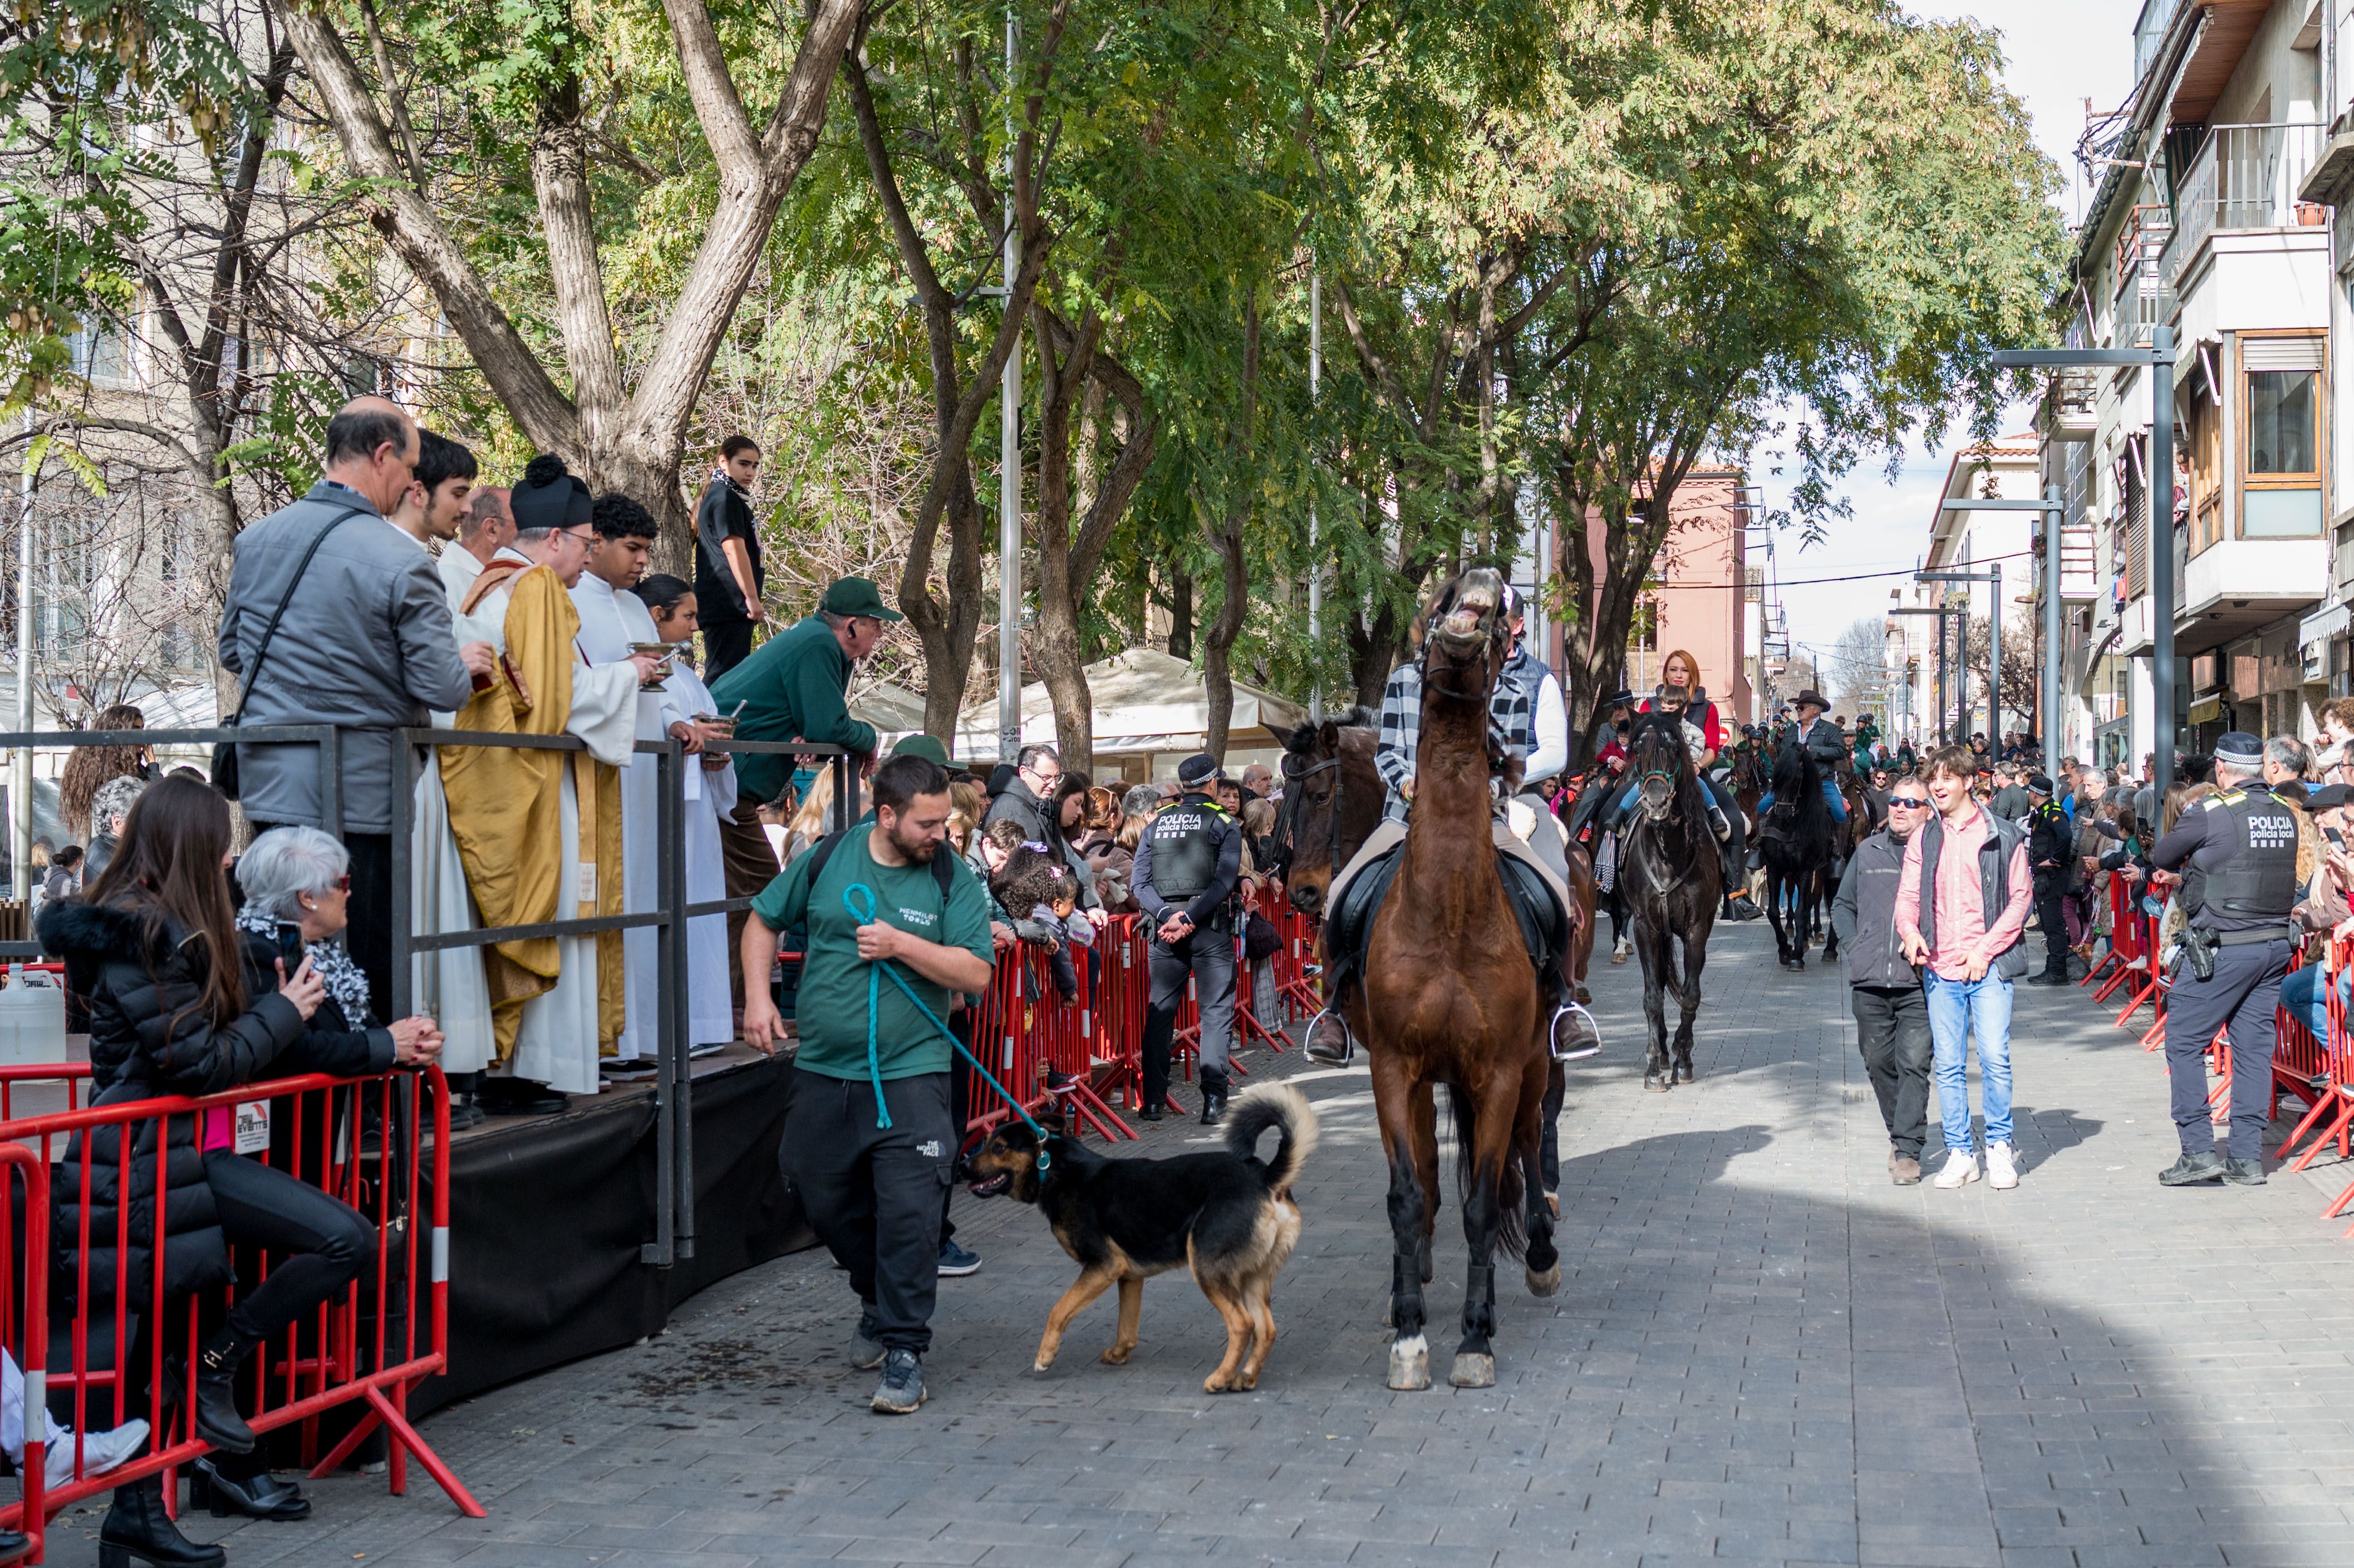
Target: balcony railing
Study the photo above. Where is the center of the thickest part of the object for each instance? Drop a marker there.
(2144, 297)
(2244, 176)
(2149, 32)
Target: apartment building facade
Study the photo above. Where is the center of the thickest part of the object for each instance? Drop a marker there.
(2204, 219)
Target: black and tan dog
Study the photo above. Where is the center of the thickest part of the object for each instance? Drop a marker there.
(1229, 1215)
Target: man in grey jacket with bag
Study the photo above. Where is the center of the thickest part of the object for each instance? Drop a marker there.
(1892, 1014)
(363, 641)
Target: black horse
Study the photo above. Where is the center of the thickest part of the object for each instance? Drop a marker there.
(1795, 842)
(1671, 878)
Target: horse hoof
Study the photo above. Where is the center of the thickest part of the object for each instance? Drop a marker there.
(1683, 1075)
(1410, 1364)
(1582, 995)
(1472, 1371)
(1544, 1284)
(1658, 1083)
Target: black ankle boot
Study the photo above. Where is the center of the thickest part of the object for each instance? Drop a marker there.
(1213, 1096)
(261, 1495)
(218, 1421)
(137, 1530)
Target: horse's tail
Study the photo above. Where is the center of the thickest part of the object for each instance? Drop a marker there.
(1512, 1224)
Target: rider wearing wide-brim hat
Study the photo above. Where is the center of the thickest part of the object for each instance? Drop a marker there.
(1829, 744)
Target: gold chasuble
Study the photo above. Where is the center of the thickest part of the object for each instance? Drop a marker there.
(507, 807)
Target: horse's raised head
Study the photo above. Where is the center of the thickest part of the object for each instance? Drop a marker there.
(1466, 637)
(1660, 760)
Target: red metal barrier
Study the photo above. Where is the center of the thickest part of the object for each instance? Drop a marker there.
(364, 1346)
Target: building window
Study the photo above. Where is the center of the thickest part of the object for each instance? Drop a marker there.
(2281, 375)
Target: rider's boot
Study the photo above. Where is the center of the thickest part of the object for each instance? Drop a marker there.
(1575, 1036)
(1329, 1040)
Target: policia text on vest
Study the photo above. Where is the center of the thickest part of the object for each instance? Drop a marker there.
(2236, 853)
(1188, 867)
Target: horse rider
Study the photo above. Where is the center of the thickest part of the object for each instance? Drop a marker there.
(1823, 738)
(1188, 867)
(2235, 854)
(1679, 692)
(1510, 733)
(1548, 751)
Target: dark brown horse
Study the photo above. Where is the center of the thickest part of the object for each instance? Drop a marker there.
(1332, 803)
(1671, 874)
(1448, 997)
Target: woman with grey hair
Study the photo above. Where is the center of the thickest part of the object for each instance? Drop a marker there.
(108, 808)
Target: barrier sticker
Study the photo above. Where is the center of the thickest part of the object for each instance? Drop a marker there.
(253, 1128)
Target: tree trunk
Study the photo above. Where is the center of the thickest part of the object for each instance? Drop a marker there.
(1056, 648)
(1179, 599)
(1234, 608)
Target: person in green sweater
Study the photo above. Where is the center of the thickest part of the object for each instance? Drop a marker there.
(870, 1139)
(795, 686)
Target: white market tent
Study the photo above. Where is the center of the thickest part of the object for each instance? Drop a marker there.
(891, 709)
(1147, 704)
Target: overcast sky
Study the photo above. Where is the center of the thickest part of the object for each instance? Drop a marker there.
(2059, 52)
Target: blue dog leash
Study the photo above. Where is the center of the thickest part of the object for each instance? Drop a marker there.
(879, 967)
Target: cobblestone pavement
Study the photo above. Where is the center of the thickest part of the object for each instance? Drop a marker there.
(1761, 1351)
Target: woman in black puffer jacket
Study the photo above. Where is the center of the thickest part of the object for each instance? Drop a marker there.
(155, 951)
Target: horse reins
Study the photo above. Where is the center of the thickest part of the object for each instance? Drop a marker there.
(1286, 821)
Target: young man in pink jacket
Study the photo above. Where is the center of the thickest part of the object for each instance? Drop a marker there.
(1960, 910)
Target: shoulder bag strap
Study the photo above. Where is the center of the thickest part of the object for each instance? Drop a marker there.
(270, 631)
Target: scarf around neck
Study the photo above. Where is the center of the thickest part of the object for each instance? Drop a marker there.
(344, 980)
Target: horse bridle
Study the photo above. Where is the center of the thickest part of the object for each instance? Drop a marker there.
(1286, 819)
(1669, 776)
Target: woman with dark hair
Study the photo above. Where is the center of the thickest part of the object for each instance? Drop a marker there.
(88, 766)
(1066, 828)
(176, 1010)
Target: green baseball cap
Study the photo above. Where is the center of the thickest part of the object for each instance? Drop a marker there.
(927, 746)
(857, 595)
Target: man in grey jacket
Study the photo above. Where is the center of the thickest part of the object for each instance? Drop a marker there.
(366, 644)
(1892, 1015)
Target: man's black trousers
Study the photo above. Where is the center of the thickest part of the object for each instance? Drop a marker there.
(1891, 1030)
(368, 939)
(724, 646)
(1209, 958)
(873, 1193)
(2051, 886)
(2243, 992)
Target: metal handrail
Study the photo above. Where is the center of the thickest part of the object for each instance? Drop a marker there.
(674, 1230)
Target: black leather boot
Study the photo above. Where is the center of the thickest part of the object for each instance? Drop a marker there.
(261, 1496)
(137, 1530)
(218, 1421)
(1213, 1096)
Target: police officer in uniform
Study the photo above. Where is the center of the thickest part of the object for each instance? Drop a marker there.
(2236, 851)
(2049, 841)
(1188, 865)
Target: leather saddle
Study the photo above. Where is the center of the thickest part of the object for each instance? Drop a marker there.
(1349, 925)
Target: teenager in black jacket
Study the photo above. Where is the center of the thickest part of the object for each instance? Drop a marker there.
(174, 1010)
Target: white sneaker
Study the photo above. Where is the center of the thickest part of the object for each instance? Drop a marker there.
(1960, 1171)
(2002, 1171)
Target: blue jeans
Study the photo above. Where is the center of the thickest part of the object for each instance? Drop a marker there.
(2301, 997)
(1959, 1011)
(1831, 797)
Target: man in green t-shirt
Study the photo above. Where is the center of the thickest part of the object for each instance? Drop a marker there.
(873, 1193)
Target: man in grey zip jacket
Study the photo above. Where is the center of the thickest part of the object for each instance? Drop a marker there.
(1892, 1015)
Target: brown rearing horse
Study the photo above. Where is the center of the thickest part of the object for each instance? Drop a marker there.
(1449, 997)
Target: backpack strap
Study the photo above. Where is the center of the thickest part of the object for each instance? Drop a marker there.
(943, 867)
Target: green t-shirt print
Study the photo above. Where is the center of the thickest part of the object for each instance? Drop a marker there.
(833, 1007)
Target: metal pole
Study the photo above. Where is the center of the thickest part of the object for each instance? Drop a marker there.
(20, 789)
(1994, 665)
(1315, 561)
(2053, 704)
(1944, 722)
(2161, 554)
(1009, 474)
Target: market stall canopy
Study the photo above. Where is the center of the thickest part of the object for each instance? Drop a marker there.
(893, 710)
(1144, 700)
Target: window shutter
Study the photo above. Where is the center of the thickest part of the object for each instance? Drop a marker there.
(2280, 352)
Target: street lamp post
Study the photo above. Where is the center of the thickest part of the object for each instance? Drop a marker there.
(2158, 359)
(1942, 613)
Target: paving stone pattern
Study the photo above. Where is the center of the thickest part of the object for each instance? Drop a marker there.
(1761, 1351)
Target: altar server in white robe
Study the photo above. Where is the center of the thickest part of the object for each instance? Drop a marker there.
(669, 611)
(515, 817)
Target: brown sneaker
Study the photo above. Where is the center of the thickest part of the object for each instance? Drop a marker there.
(1904, 1170)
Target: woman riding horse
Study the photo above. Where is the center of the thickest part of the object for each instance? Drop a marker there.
(1681, 695)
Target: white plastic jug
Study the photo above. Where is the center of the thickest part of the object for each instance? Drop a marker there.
(32, 1018)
